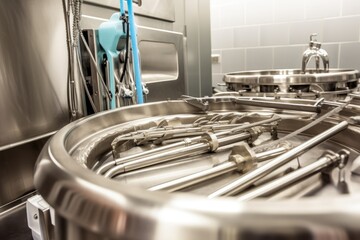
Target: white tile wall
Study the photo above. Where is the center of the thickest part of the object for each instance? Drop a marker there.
(264, 34)
(275, 34)
(300, 31)
(246, 36)
(232, 15)
(349, 55)
(259, 12)
(351, 7)
(257, 58)
(289, 10)
(215, 17)
(320, 9)
(342, 29)
(288, 57)
(232, 60)
(222, 38)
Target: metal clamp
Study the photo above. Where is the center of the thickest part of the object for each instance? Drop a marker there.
(243, 156)
(254, 134)
(212, 140)
(145, 89)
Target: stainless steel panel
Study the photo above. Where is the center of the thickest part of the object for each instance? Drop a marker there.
(159, 61)
(205, 48)
(33, 86)
(197, 20)
(162, 63)
(160, 9)
(33, 69)
(17, 170)
(13, 224)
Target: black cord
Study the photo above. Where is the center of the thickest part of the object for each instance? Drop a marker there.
(127, 50)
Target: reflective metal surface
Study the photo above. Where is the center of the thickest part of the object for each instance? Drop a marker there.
(315, 51)
(33, 69)
(250, 178)
(156, 51)
(331, 84)
(161, 9)
(17, 170)
(39, 218)
(327, 160)
(162, 63)
(13, 223)
(197, 32)
(33, 72)
(33, 78)
(90, 206)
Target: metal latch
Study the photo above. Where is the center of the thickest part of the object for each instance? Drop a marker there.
(40, 218)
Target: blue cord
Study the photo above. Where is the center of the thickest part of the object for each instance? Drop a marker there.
(138, 82)
(122, 9)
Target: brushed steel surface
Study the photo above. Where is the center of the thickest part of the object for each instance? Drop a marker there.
(33, 69)
(291, 76)
(13, 224)
(331, 84)
(89, 206)
(17, 170)
(152, 54)
(198, 42)
(220, 169)
(162, 63)
(251, 177)
(33, 76)
(298, 175)
(160, 9)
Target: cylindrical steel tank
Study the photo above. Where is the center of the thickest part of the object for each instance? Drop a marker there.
(91, 206)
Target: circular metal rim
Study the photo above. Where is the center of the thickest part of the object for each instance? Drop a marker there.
(73, 191)
(286, 76)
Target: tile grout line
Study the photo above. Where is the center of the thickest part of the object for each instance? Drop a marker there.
(222, 49)
(289, 22)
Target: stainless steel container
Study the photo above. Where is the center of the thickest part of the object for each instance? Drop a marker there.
(332, 84)
(90, 206)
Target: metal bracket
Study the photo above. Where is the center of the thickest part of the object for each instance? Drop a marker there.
(40, 218)
(196, 102)
(254, 132)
